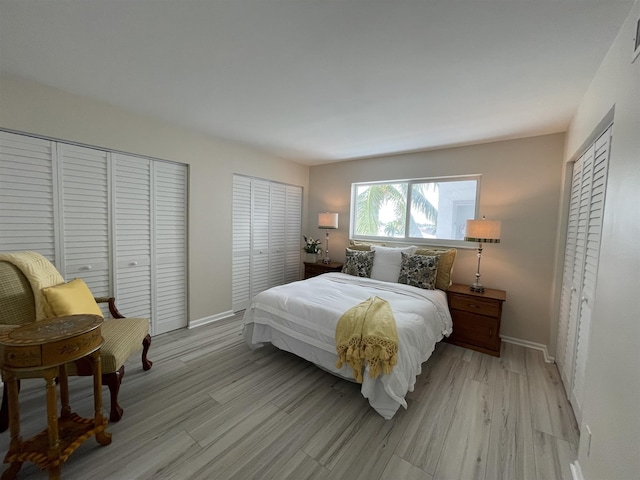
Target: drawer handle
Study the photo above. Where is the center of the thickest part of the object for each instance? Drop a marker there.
(472, 305)
(88, 267)
(133, 264)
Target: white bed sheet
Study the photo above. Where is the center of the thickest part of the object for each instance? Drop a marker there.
(301, 318)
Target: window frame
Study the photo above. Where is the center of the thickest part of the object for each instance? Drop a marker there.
(407, 239)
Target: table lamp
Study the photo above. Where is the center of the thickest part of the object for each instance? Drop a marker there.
(481, 231)
(327, 221)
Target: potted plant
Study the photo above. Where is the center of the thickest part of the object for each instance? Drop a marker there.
(312, 248)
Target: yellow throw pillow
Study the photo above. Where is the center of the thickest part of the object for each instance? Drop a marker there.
(71, 298)
(445, 264)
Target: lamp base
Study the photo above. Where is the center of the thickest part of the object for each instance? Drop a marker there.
(476, 288)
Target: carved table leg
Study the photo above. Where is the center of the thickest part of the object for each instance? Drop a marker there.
(63, 379)
(102, 437)
(11, 384)
(53, 453)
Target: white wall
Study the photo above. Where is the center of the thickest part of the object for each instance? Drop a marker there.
(521, 184)
(33, 108)
(612, 391)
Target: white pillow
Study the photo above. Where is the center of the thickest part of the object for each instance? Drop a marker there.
(387, 262)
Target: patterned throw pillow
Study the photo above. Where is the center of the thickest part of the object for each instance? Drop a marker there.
(445, 264)
(419, 271)
(358, 263)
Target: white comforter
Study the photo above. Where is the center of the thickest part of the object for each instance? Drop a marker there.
(301, 318)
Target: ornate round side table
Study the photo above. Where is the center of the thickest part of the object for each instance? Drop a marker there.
(42, 350)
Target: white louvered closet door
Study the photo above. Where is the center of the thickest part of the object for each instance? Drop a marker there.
(570, 292)
(260, 215)
(576, 245)
(132, 235)
(277, 233)
(85, 199)
(267, 218)
(582, 253)
(593, 236)
(293, 227)
(170, 220)
(28, 195)
(241, 248)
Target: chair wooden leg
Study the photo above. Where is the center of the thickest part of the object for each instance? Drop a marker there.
(146, 343)
(113, 381)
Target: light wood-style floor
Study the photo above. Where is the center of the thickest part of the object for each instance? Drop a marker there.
(210, 408)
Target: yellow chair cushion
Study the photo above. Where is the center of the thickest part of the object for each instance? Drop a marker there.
(122, 338)
(71, 298)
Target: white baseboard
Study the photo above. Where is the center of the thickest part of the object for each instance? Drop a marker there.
(576, 471)
(210, 319)
(528, 344)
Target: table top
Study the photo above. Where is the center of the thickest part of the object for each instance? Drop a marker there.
(51, 330)
(51, 342)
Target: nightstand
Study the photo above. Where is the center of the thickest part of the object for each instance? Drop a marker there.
(318, 268)
(476, 318)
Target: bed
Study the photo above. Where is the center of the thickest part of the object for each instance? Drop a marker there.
(301, 318)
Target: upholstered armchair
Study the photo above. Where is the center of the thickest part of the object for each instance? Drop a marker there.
(24, 276)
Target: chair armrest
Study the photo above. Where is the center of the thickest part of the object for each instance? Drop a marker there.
(112, 306)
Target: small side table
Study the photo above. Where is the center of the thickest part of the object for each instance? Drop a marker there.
(476, 318)
(313, 269)
(42, 349)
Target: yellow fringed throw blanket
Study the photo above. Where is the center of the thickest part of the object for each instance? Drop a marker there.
(367, 333)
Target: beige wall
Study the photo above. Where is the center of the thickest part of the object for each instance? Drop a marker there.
(612, 387)
(37, 109)
(521, 184)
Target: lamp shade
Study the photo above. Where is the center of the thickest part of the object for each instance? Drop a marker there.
(483, 231)
(328, 220)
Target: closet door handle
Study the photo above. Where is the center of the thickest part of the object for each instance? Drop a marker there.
(133, 264)
(88, 267)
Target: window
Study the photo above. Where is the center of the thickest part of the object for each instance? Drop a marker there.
(428, 208)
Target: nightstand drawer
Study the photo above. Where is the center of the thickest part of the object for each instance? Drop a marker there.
(476, 330)
(480, 306)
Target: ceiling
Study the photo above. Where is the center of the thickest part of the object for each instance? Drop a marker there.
(322, 80)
